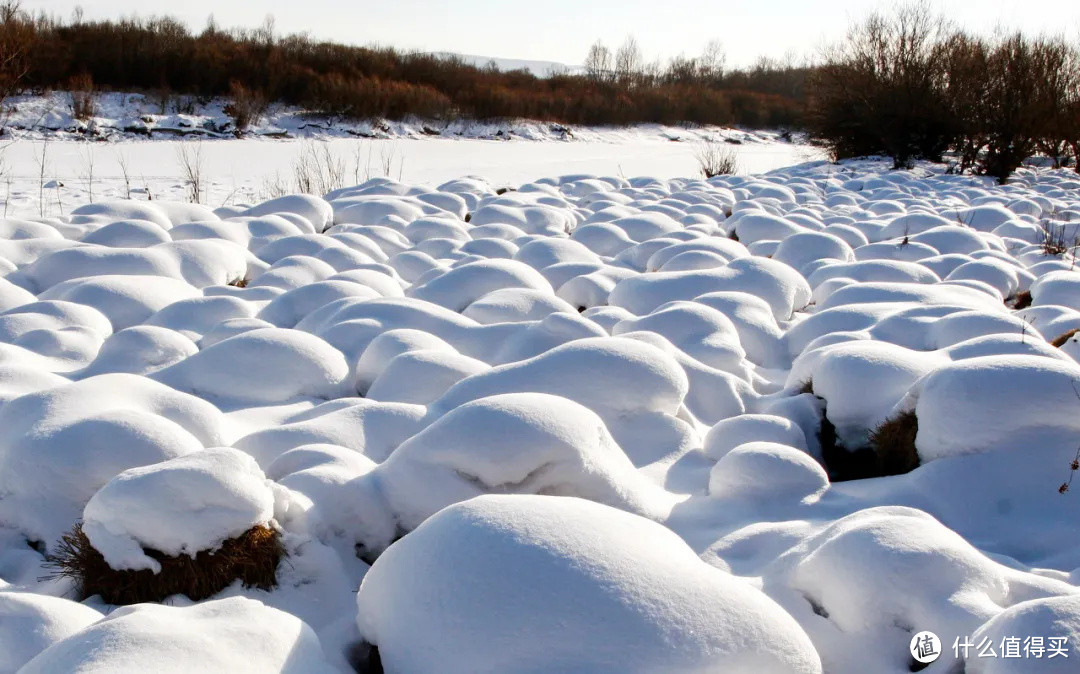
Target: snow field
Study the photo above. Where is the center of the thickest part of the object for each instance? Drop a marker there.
(588, 424)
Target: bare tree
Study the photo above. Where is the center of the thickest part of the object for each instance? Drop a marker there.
(16, 38)
(713, 59)
(266, 33)
(598, 62)
(1058, 99)
(628, 62)
(883, 90)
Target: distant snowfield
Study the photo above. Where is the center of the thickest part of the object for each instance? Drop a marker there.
(590, 423)
(241, 171)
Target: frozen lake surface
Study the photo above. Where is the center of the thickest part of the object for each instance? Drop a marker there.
(242, 171)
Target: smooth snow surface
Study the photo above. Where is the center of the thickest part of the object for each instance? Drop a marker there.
(590, 423)
(224, 635)
(602, 591)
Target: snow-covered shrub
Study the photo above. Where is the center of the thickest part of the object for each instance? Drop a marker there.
(192, 526)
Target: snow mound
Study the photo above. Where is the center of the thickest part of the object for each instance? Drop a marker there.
(30, 623)
(878, 576)
(59, 446)
(990, 402)
(602, 373)
(1054, 617)
(730, 433)
(614, 592)
(767, 470)
(264, 365)
(521, 443)
(227, 635)
(205, 498)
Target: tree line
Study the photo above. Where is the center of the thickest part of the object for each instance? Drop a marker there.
(910, 85)
(905, 84)
(162, 56)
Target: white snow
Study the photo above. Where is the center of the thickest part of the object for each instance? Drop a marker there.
(543, 420)
(207, 497)
(607, 591)
(226, 635)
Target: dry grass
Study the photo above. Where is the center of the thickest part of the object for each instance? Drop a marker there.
(190, 160)
(251, 558)
(239, 283)
(890, 451)
(894, 444)
(83, 97)
(1053, 241)
(1023, 300)
(715, 159)
(1061, 339)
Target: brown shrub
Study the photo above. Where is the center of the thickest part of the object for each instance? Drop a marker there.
(714, 160)
(246, 106)
(251, 558)
(894, 444)
(890, 451)
(83, 98)
(1023, 300)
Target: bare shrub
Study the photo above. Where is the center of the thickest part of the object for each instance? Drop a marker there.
(189, 157)
(83, 97)
(246, 106)
(318, 169)
(1054, 242)
(88, 159)
(715, 159)
(122, 161)
(1023, 300)
(18, 37)
(148, 54)
(43, 167)
(252, 558)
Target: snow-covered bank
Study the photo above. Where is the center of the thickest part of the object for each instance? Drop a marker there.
(756, 424)
(120, 116)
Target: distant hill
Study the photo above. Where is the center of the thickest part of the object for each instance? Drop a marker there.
(538, 68)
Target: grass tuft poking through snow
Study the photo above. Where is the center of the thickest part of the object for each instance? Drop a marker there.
(1023, 300)
(252, 558)
(894, 444)
(715, 159)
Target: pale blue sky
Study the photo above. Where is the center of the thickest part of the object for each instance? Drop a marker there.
(562, 30)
